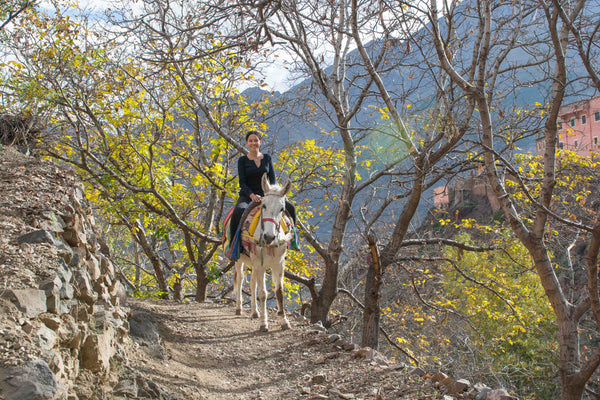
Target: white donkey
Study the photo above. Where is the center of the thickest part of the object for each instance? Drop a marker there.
(271, 246)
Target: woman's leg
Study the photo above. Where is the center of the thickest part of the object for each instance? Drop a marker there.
(291, 210)
(240, 207)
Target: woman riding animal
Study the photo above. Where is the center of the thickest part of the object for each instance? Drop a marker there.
(270, 243)
(268, 240)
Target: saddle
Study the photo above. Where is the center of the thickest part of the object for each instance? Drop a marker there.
(244, 235)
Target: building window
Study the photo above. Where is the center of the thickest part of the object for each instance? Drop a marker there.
(576, 143)
(597, 116)
(583, 119)
(561, 145)
(572, 121)
(559, 125)
(595, 140)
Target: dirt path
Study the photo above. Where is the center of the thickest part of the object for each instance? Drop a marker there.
(207, 352)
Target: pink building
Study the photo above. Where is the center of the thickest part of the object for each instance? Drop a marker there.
(464, 190)
(578, 128)
(441, 197)
(578, 131)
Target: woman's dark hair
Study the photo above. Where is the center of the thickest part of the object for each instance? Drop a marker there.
(257, 133)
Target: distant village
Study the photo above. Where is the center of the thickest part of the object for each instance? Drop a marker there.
(578, 131)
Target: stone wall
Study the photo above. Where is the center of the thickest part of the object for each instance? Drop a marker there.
(61, 300)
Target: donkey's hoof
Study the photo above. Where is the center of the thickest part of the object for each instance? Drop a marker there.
(285, 326)
(255, 314)
(264, 328)
(238, 312)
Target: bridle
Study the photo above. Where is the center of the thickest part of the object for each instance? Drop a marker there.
(263, 220)
(277, 224)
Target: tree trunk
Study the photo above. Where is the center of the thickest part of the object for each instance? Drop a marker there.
(319, 310)
(138, 267)
(371, 313)
(201, 283)
(202, 280)
(571, 392)
(161, 281)
(321, 307)
(178, 290)
(569, 367)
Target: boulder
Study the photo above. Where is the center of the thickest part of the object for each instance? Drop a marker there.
(92, 241)
(93, 268)
(106, 266)
(51, 285)
(143, 327)
(32, 302)
(47, 337)
(74, 232)
(458, 386)
(32, 381)
(83, 287)
(97, 351)
(118, 294)
(64, 251)
(53, 304)
(439, 377)
(66, 276)
(37, 237)
(51, 321)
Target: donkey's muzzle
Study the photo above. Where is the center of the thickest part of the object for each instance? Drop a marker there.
(268, 238)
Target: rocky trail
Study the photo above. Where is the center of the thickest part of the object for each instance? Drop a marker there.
(204, 351)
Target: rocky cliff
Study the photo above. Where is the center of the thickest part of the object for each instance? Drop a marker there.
(62, 327)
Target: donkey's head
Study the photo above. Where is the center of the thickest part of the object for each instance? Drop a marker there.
(272, 208)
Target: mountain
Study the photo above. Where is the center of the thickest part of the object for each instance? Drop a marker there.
(411, 83)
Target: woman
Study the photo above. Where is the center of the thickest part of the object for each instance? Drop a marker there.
(251, 168)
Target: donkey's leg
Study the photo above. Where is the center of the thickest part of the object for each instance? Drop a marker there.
(262, 298)
(277, 272)
(253, 306)
(238, 281)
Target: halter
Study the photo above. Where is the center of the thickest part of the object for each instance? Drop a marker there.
(277, 226)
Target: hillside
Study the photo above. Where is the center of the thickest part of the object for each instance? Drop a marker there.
(69, 331)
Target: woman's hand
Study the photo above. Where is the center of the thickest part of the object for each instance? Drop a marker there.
(255, 198)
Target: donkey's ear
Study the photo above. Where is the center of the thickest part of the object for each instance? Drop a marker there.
(287, 186)
(266, 186)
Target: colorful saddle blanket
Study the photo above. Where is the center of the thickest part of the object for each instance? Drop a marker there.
(244, 236)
